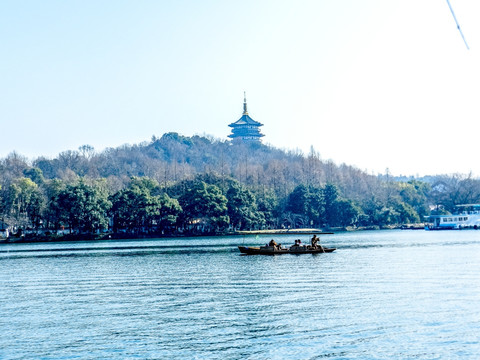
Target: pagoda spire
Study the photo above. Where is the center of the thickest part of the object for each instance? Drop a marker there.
(245, 112)
(245, 129)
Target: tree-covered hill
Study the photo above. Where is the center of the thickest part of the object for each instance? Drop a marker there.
(189, 184)
(174, 157)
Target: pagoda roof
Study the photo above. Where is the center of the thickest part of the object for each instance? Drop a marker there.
(245, 120)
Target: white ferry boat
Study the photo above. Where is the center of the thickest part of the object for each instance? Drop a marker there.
(466, 216)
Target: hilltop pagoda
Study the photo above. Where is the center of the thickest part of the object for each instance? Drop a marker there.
(245, 129)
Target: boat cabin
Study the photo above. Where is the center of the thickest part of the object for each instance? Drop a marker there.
(464, 216)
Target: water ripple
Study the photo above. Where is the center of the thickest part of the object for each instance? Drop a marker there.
(382, 295)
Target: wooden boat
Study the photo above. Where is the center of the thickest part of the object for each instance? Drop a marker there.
(271, 250)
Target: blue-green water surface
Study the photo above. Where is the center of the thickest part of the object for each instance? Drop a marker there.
(381, 295)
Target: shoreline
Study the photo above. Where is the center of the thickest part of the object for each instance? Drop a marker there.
(29, 238)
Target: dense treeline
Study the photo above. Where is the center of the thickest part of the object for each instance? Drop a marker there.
(177, 184)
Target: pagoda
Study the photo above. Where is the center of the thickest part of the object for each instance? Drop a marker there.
(245, 129)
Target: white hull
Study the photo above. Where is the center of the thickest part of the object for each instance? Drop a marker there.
(458, 221)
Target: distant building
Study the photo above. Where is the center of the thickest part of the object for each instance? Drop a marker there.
(245, 129)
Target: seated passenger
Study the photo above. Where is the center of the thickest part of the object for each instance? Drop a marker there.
(273, 243)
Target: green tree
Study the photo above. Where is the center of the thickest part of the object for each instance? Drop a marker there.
(128, 208)
(414, 193)
(305, 205)
(140, 207)
(298, 200)
(242, 208)
(316, 206)
(322, 206)
(268, 206)
(371, 207)
(330, 196)
(205, 206)
(167, 212)
(345, 213)
(407, 214)
(393, 212)
(34, 174)
(83, 207)
(53, 213)
(24, 203)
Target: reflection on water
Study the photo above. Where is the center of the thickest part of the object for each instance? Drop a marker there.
(385, 294)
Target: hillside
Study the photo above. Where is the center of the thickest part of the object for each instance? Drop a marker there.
(174, 157)
(237, 185)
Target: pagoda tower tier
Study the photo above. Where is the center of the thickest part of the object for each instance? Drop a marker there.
(245, 129)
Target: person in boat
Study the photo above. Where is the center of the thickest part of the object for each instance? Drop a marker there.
(297, 243)
(314, 241)
(274, 244)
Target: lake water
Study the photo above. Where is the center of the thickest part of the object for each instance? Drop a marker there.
(381, 295)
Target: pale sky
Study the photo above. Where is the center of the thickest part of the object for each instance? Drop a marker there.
(375, 84)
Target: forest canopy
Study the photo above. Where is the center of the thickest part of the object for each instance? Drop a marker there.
(177, 184)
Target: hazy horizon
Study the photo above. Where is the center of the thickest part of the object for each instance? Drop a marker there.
(371, 84)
